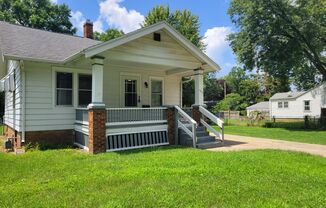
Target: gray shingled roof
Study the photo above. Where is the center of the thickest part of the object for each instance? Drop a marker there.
(23, 42)
(286, 95)
(259, 106)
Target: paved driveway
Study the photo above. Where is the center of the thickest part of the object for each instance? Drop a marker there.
(237, 143)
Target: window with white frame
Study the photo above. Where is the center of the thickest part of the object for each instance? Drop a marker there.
(307, 105)
(84, 89)
(64, 90)
(286, 104)
(280, 105)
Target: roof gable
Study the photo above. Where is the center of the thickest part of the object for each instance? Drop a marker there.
(207, 62)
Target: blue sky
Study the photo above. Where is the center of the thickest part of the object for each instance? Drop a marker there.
(128, 14)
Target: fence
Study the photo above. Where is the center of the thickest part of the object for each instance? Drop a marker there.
(229, 114)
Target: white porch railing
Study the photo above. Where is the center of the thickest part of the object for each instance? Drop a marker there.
(214, 119)
(134, 116)
(185, 118)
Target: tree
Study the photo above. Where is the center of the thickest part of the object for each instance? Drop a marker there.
(278, 36)
(183, 21)
(233, 102)
(41, 14)
(305, 77)
(235, 76)
(109, 34)
(213, 91)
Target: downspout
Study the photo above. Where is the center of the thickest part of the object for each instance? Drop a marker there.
(23, 100)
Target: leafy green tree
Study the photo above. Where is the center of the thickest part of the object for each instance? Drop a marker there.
(235, 76)
(213, 91)
(41, 14)
(233, 102)
(251, 91)
(109, 34)
(182, 20)
(305, 77)
(278, 36)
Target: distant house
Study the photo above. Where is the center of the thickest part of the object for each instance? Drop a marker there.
(262, 107)
(298, 104)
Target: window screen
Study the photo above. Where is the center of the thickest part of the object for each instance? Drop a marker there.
(131, 93)
(63, 88)
(156, 96)
(84, 89)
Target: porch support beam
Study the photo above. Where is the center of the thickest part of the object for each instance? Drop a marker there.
(176, 71)
(97, 82)
(199, 86)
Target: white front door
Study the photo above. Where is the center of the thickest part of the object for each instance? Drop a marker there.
(130, 90)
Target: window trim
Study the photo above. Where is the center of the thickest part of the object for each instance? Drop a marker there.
(75, 72)
(304, 105)
(78, 74)
(150, 89)
(65, 89)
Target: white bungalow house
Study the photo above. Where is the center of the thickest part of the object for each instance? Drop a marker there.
(102, 96)
(297, 105)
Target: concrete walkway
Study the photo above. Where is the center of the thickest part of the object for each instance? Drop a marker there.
(237, 143)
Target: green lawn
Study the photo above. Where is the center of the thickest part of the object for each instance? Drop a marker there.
(299, 135)
(162, 177)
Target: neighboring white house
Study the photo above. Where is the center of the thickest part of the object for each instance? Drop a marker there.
(298, 104)
(262, 107)
(50, 79)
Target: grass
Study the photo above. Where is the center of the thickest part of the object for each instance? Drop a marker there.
(162, 177)
(298, 135)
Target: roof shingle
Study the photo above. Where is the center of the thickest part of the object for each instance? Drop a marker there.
(23, 42)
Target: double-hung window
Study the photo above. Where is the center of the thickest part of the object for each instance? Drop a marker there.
(84, 89)
(307, 105)
(64, 90)
(280, 105)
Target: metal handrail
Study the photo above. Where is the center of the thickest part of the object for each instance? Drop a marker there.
(214, 119)
(193, 123)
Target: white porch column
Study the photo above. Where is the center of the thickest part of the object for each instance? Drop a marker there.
(199, 87)
(97, 82)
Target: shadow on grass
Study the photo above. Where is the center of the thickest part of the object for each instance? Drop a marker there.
(151, 149)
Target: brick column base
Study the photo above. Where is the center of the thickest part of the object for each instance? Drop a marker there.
(97, 130)
(196, 114)
(171, 118)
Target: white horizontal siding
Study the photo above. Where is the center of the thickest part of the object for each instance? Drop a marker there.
(41, 114)
(296, 106)
(13, 100)
(112, 85)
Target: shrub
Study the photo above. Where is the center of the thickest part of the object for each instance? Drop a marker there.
(268, 124)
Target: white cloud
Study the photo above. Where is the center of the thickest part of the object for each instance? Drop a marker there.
(77, 19)
(218, 47)
(98, 26)
(119, 17)
(54, 1)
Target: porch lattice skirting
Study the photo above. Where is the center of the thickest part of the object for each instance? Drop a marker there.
(137, 140)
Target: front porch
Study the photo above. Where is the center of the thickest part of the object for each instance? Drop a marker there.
(132, 128)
